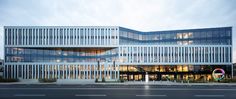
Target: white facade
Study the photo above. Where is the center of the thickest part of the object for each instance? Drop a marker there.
(99, 37)
(175, 54)
(59, 36)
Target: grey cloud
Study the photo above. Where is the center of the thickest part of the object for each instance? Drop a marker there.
(144, 15)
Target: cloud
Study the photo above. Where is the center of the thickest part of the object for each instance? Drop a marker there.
(143, 15)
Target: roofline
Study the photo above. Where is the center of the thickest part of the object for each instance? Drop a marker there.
(230, 27)
(114, 27)
(60, 26)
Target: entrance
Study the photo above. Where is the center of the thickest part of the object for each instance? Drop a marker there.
(132, 76)
(138, 77)
(167, 77)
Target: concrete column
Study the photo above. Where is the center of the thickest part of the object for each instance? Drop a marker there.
(73, 68)
(17, 36)
(224, 54)
(49, 72)
(100, 70)
(6, 33)
(16, 71)
(22, 71)
(79, 72)
(7, 71)
(77, 66)
(67, 71)
(229, 55)
(84, 69)
(58, 72)
(69, 67)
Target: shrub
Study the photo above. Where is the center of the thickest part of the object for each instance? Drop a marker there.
(8, 80)
(50, 80)
(103, 79)
(122, 80)
(233, 80)
(96, 80)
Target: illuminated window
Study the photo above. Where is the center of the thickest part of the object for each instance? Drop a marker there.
(190, 42)
(190, 34)
(185, 68)
(191, 68)
(185, 42)
(179, 68)
(187, 35)
(179, 42)
(179, 36)
(162, 69)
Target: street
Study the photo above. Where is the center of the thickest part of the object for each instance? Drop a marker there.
(115, 92)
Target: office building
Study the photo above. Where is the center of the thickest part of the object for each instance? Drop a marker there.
(113, 52)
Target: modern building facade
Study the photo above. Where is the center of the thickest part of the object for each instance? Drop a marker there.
(234, 69)
(1, 67)
(113, 52)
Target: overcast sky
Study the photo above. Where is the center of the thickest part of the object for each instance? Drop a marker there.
(143, 15)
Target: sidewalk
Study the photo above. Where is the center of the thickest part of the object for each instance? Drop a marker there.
(84, 82)
(59, 82)
(174, 83)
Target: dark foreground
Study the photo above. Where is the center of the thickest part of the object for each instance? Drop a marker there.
(116, 92)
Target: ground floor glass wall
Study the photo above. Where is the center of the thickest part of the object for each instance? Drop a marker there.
(62, 71)
(172, 72)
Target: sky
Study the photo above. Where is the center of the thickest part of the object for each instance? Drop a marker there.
(142, 15)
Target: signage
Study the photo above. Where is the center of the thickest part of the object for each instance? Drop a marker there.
(218, 74)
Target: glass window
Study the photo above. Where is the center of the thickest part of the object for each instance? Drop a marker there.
(185, 68)
(179, 35)
(191, 68)
(179, 68)
(162, 68)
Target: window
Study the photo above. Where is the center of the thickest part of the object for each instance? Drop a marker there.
(179, 35)
(179, 68)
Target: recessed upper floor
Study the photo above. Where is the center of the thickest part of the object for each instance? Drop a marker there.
(110, 36)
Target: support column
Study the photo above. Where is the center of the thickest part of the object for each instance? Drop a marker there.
(53, 73)
(17, 71)
(63, 71)
(90, 70)
(27, 71)
(73, 68)
(42, 71)
(94, 71)
(68, 71)
(48, 71)
(100, 70)
(35, 73)
(22, 71)
(58, 72)
(38, 71)
(76, 77)
(11, 71)
(111, 71)
(32, 71)
(84, 69)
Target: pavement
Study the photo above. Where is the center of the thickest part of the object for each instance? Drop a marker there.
(114, 91)
(74, 82)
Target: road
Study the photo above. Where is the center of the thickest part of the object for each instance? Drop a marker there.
(115, 92)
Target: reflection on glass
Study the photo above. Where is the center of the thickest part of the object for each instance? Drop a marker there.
(179, 35)
(179, 68)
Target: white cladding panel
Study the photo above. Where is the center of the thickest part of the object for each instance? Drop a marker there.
(39, 36)
(174, 54)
